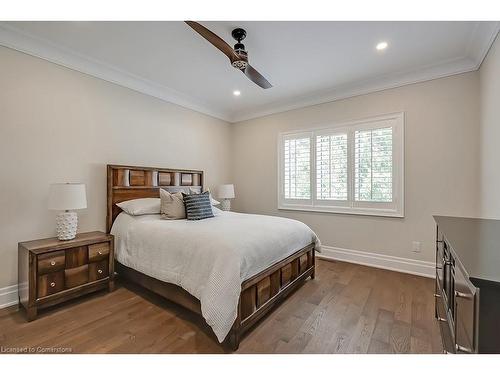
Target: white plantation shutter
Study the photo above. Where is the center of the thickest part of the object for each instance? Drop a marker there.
(354, 168)
(331, 167)
(297, 168)
(373, 165)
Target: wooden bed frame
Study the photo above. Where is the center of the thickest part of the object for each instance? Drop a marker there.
(259, 294)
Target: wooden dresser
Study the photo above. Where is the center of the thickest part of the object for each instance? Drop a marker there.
(52, 271)
(468, 284)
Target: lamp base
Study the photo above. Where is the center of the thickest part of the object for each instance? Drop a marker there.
(66, 225)
(225, 205)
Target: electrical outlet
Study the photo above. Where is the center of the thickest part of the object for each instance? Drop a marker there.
(416, 246)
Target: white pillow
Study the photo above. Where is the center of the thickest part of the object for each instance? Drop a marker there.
(217, 211)
(213, 202)
(141, 206)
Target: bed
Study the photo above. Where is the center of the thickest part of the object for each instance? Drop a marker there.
(232, 269)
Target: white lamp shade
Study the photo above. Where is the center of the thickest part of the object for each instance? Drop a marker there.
(226, 191)
(67, 197)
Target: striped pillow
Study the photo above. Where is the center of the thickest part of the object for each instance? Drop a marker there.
(198, 206)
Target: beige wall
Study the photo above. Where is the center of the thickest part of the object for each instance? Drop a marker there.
(489, 75)
(442, 133)
(58, 125)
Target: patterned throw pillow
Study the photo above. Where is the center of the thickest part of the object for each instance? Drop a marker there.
(213, 201)
(198, 206)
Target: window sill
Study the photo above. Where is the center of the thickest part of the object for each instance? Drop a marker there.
(345, 211)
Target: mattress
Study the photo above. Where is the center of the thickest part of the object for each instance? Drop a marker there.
(208, 258)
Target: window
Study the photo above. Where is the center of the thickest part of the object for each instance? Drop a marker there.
(331, 167)
(297, 168)
(373, 165)
(355, 168)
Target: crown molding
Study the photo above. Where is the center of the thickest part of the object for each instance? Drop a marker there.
(481, 40)
(18, 40)
(476, 50)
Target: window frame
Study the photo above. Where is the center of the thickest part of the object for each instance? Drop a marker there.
(350, 206)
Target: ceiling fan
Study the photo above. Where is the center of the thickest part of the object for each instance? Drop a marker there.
(238, 56)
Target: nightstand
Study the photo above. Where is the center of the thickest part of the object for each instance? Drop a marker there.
(53, 271)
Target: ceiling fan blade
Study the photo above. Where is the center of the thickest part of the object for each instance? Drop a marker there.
(214, 39)
(256, 77)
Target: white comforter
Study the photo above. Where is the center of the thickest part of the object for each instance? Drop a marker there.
(208, 258)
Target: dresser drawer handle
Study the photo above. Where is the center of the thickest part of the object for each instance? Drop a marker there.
(52, 284)
(462, 295)
(99, 271)
(463, 349)
(99, 252)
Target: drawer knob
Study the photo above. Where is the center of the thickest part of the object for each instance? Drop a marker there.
(52, 284)
(53, 263)
(99, 271)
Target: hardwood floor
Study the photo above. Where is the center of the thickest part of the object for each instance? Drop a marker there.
(347, 309)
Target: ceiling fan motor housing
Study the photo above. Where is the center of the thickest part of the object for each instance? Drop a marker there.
(240, 64)
(239, 48)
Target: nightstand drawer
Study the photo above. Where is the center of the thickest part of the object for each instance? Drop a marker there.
(50, 283)
(98, 270)
(51, 262)
(76, 276)
(98, 251)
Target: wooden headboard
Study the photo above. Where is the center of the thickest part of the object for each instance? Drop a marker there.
(128, 182)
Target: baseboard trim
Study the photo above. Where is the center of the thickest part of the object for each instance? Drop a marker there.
(8, 296)
(387, 262)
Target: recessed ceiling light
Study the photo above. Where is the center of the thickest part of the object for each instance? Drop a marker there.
(381, 46)
(236, 93)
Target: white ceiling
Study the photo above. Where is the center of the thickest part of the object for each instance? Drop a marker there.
(307, 62)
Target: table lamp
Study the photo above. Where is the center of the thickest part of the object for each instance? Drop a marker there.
(226, 192)
(66, 197)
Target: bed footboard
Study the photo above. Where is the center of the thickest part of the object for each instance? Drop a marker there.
(259, 294)
(267, 289)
